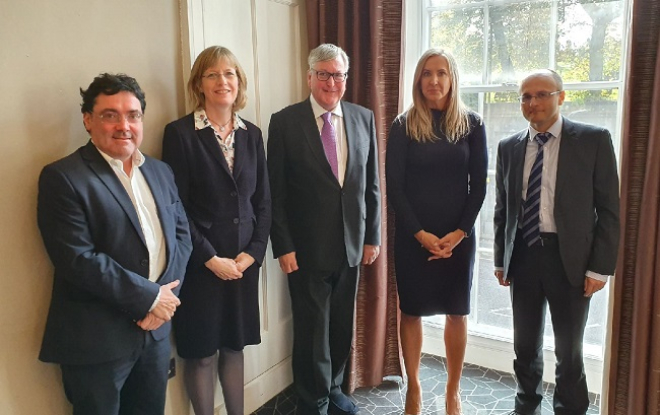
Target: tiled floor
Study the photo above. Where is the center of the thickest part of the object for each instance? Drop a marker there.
(485, 392)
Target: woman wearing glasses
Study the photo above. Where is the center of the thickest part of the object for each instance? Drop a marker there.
(436, 170)
(220, 169)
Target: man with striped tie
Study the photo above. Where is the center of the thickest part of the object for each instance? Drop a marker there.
(556, 237)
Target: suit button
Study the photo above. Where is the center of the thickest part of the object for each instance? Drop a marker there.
(144, 262)
(236, 221)
(233, 194)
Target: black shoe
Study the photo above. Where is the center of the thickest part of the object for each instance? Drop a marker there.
(341, 404)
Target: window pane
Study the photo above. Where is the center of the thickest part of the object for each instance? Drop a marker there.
(584, 27)
(461, 32)
(518, 40)
(491, 305)
(495, 43)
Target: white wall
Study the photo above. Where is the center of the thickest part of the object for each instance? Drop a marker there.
(48, 49)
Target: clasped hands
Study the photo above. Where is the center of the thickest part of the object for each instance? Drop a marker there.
(164, 309)
(439, 247)
(230, 269)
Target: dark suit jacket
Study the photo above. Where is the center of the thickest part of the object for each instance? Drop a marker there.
(312, 214)
(93, 237)
(586, 207)
(229, 213)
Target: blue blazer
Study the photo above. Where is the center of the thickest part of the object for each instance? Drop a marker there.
(93, 237)
(586, 200)
(229, 211)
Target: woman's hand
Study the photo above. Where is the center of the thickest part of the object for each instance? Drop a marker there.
(451, 240)
(224, 268)
(243, 261)
(434, 245)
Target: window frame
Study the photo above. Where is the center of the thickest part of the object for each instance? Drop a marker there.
(489, 346)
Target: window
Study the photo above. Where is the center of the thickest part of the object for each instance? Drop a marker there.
(495, 43)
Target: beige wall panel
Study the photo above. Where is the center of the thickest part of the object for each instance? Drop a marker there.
(49, 50)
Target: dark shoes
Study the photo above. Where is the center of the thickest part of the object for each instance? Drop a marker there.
(341, 404)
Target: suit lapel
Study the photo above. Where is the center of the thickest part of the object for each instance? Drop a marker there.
(351, 137)
(240, 148)
(207, 137)
(105, 173)
(519, 163)
(313, 137)
(153, 180)
(566, 159)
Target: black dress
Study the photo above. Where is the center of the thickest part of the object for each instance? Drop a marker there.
(229, 212)
(438, 187)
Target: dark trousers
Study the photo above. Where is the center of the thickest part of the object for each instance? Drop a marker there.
(538, 278)
(323, 304)
(133, 385)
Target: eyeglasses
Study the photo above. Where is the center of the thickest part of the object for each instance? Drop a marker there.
(117, 118)
(324, 76)
(214, 76)
(541, 96)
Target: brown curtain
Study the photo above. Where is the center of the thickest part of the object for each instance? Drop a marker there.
(370, 33)
(634, 367)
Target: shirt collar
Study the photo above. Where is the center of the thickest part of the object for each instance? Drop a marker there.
(555, 129)
(319, 110)
(138, 158)
(202, 121)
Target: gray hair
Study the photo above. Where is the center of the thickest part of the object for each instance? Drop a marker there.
(327, 52)
(545, 72)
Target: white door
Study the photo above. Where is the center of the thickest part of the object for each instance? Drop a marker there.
(268, 39)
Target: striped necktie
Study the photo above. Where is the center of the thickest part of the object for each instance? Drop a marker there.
(531, 219)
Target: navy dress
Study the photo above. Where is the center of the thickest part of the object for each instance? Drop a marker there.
(438, 187)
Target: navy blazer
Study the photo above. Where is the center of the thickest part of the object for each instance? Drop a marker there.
(229, 211)
(586, 206)
(313, 215)
(93, 237)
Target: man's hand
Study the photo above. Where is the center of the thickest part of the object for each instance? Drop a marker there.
(591, 285)
(150, 322)
(224, 268)
(369, 254)
(167, 303)
(288, 262)
(243, 261)
(500, 278)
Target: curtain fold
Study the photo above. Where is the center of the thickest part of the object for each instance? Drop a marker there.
(370, 33)
(634, 367)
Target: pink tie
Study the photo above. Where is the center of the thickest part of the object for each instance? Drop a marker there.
(329, 140)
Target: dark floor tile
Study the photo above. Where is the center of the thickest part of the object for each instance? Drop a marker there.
(485, 392)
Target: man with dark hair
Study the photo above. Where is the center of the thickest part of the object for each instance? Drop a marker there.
(556, 237)
(116, 233)
(323, 169)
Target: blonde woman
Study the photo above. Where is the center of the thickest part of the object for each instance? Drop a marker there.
(219, 165)
(436, 183)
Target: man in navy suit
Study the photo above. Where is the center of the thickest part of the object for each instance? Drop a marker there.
(323, 167)
(118, 237)
(556, 237)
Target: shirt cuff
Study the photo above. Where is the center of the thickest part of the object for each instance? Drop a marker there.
(155, 303)
(597, 276)
(499, 268)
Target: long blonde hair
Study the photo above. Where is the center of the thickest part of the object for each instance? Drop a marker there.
(419, 120)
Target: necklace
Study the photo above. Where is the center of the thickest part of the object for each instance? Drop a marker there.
(221, 126)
